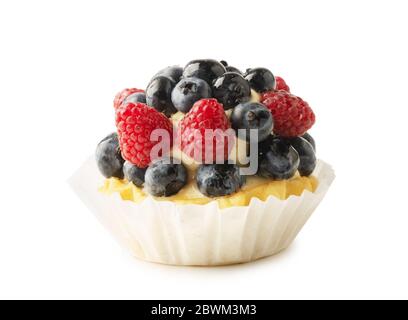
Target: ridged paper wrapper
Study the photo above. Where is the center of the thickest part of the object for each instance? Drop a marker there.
(201, 235)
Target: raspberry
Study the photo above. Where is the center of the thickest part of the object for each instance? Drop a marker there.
(206, 114)
(281, 84)
(292, 116)
(121, 96)
(135, 123)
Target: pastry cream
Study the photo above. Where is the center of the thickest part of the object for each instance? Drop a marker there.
(257, 187)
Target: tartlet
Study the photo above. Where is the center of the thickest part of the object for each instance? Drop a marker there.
(208, 166)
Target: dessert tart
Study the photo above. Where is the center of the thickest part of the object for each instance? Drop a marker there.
(208, 166)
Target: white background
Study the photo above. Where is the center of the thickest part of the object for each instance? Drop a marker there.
(61, 64)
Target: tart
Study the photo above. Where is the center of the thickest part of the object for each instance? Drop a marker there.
(208, 166)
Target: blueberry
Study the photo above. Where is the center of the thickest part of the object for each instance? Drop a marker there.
(188, 91)
(231, 89)
(205, 69)
(310, 139)
(134, 174)
(138, 97)
(224, 63)
(215, 180)
(158, 95)
(277, 159)
(252, 115)
(306, 154)
(230, 68)
(260, 79)
(109, 158)
(233, 69)
(164, 178)
(172, 72)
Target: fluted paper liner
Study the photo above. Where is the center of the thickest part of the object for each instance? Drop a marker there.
(202, 235)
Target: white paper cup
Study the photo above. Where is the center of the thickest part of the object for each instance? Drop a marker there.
(200, 235)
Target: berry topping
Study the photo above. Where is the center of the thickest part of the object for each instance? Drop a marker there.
(121, 96)
(231, 89)
(215, 180)
(188, 91)
(172, 72)
(108, 157)
(310, 139)
(135, 123)
(134, 174)
(260, 79)
(164, 178)
(306, 154)
(136, 97)
(205, 69)
(277, 159)
(252, 115)
(292, 116)
(211, 103)
(158, 95)
(206, 116)
(281, 84)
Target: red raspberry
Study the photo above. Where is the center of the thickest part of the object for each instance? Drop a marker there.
(281, 84)
(135, 123)
(121, 96)
(206, 114)
(292, 116)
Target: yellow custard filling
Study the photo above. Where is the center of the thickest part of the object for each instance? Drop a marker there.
(257, 187)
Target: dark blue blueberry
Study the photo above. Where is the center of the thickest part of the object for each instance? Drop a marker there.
(134, 174)
(109, 158)
(310, 139)
(188, 91)
(277, 159)
(260, 79)
(215, 180)
(164, 179)
(224, 63)
(230, 68)
(138, 97)
(205, 69)
(252, 115)
(306, 154)
(233, 69)
(158, 95)
(172, 72)
(231, 89)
